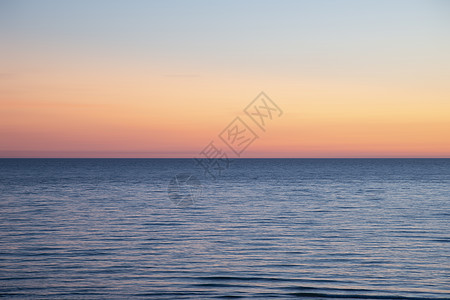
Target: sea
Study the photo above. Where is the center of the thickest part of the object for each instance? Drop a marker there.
(257, 229)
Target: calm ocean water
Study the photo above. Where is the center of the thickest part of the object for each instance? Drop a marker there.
(286, 228)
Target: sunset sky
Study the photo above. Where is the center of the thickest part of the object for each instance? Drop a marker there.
(164, 78)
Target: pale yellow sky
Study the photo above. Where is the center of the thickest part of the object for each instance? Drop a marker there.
(353, 80)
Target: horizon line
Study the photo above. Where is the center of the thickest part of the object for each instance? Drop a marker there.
(231, 158)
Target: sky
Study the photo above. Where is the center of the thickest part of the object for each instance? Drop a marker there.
(165, 78)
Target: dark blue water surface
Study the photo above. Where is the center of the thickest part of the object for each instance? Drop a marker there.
(286, 228)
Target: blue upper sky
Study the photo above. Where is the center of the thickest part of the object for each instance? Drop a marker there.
(347, 38)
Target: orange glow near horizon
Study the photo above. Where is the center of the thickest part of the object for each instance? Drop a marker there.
(136, 120)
